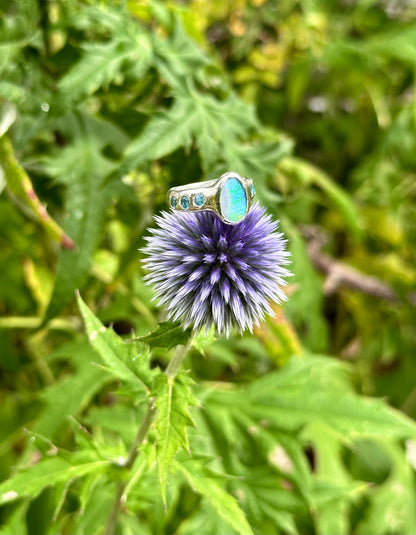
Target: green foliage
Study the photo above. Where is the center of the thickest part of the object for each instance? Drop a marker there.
(168, 334)
(111, 348)
(206, 484)
(52, 470)
(173, 397)
(302, 427)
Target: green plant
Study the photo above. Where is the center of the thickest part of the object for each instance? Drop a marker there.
(139, 427)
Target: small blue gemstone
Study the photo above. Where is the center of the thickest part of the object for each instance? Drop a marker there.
(233, 200)
(252, 190)
(199, 199)
(184, 202)
(173, 202)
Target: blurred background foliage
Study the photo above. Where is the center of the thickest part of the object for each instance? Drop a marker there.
(104, 106)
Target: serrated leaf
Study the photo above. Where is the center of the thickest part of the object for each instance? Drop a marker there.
(220, 127)
(203, 340)
(164, 133)
(50, 471)
(315, 396)
(169, 334)
(259, 160)
(96, 497)
(173, 398)
(102, 63)
(209, 487)
(111, 348)
(317, 389)
(266, 499)
(333, 488)
(178, 58)
(81, 167)
(392, 505)
(86, 202)
(69, 396)
(193, 116)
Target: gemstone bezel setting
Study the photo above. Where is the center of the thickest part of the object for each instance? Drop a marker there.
(233, 199)
(184, 202)
(199, 200)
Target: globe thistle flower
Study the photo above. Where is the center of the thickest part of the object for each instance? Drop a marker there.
(207, 272)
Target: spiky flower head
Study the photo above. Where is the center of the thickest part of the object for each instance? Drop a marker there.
(207, 272)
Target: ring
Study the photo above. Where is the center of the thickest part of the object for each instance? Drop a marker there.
(229, 196)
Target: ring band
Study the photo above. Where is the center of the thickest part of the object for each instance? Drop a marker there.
(229, 196)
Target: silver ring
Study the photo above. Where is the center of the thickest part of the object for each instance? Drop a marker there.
(229, 196)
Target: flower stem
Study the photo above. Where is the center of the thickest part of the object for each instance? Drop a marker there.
(177, 358)
(171, 371)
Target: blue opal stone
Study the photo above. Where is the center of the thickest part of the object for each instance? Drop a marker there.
(173, 202)
(199, 199)
(233, 200)
(184, 202)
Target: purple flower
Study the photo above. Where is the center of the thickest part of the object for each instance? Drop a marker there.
(207, 272)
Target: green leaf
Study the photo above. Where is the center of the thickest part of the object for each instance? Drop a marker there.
(16, 523)
(169, 334)
(259, 160)
(193, 116)
(173, 397)
(209, 487)
(267, 499)
(309, 174)
(177, 58)
(103, 63)
(81, 167)
(96, 498)
(392, 505)
(112, 349)
(163, 134)
(8, 114)
(31, 481)
(333, 488)
(203, 340)
(308, 390)
(20, 185)
(217, 138)
(306, 309)
(86, 202)
(71, 395)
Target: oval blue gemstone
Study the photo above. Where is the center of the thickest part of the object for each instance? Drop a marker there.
(199, 199)
(233, 200)
(184, 202)
(173, 202)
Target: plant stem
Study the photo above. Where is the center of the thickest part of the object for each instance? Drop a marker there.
(177, 358)
(34, 322)
(171, 371)
(20, 186)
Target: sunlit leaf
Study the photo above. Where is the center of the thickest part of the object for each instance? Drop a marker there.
(224, 504)
(50, 471)
(112, 349)
(168, 334)
(173, 398)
